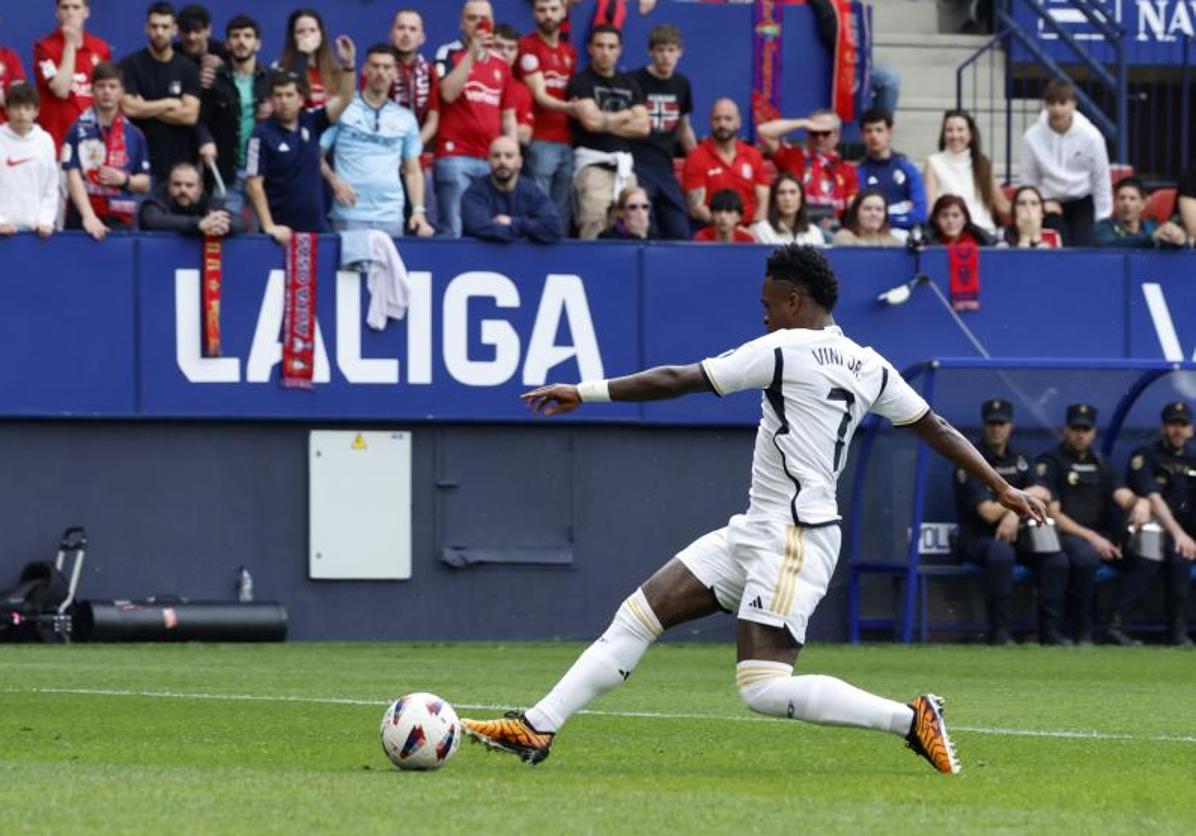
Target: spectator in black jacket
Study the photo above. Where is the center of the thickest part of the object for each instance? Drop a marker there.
(505, 206)
(181, 205)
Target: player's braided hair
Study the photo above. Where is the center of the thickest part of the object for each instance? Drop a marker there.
(807, 267)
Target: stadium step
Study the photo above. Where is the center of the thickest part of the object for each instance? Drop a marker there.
(914, 16)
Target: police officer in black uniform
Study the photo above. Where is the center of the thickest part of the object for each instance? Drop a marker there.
(1165, 473)
(987, 530)
(1083, 492)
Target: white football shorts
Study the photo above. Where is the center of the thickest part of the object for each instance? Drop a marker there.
(765, 570)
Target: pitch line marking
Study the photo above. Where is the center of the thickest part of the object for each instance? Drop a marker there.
(1062, 734)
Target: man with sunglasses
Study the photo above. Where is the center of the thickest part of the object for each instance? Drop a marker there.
(829, 180)
(1083, 490)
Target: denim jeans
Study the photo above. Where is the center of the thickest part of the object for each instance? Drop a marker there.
(550, 164)
(452, 176)
(886, 88)
(669, 218)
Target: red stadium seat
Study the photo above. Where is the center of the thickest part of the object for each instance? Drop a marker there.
(1160, 205)
(1004, 218)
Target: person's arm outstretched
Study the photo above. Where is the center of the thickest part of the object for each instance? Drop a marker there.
(658, 384)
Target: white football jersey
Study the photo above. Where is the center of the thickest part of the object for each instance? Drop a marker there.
(818, 385)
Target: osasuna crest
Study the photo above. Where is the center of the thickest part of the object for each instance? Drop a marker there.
(747, 171)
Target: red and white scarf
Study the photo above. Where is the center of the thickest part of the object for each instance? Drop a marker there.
(299, 312)
(116, 156)
(213, 264)
(963, 267)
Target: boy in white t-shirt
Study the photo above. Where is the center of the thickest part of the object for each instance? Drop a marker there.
(28, 170)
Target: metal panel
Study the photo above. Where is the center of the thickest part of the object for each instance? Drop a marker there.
(360, 505)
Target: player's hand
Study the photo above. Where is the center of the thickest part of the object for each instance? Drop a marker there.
(556, 399)
(281, 234)
(44, 230)
(344, 193)
(1186, 546)
(1104, 548)
(1007, 528)
(1023, 504)
(1140, 513)
(95, 228)
(420, 226)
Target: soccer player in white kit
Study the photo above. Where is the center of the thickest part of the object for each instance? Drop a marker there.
(772, 564)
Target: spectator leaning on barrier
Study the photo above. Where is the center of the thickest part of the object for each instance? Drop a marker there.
(374, 141)
(893, 173)
(505, 206)
(950, 223)
(181, 205)
(1165, 473)
(1083, 489)
(63, 63)
(506, 46)
(1025, 230)
(546, 64)
(866, 222)
(29, 175)
(787, 221)
(162, 93)
(631, 217)
(608, 114)
(1186, 200)
(669, 102)
(416, 86)
(1064, 155)
(961, 168)
(830, 182)
(11, 72)
(307, 52)
(106, 160)
(723, 161)
(1127, 227)
(475, 108)
(988, 533)
(726, 215)
(283, 180)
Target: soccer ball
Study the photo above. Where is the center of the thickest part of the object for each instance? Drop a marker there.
(420, 731)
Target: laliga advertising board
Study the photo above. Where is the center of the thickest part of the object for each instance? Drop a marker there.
(484, 324)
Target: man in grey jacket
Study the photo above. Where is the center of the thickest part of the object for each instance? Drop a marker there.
(1064, 155)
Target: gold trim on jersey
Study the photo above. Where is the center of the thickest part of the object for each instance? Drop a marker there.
(795, 556)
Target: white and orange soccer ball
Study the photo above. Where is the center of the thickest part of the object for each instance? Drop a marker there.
(420, 731)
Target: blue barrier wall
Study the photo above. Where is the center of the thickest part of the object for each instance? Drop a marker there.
(112, 329)
(1155, 30)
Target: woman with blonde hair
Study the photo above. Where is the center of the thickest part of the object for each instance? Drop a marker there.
(630, 217)
(787, 222)
(866, 222)
(961, 168)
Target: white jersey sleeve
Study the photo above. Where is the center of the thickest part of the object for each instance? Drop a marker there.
(897, 400)
(751, 366)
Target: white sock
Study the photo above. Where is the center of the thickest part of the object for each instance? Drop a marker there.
(770, 688)
(604, 664)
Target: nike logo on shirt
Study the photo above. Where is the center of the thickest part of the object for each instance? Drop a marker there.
(11, 162)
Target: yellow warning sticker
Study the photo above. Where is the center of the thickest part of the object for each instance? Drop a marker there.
(359, 442)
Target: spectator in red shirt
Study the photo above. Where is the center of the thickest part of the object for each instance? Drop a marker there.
(546, 64)
(506, 46)
(475, 109)
(416, 86)
(307, 52)
(63, 63)
(830, 182)
(723, 161)
(10, 71)
(726, 213)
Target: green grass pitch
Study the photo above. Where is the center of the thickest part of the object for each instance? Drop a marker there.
(284, 738)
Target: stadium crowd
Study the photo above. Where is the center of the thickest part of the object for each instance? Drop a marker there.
(504, 136)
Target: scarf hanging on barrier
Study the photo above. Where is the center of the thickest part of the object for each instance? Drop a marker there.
(845, 66)
(213, 279)
(299, 312)
(963, 265)
(612, 12)
(766, 61)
